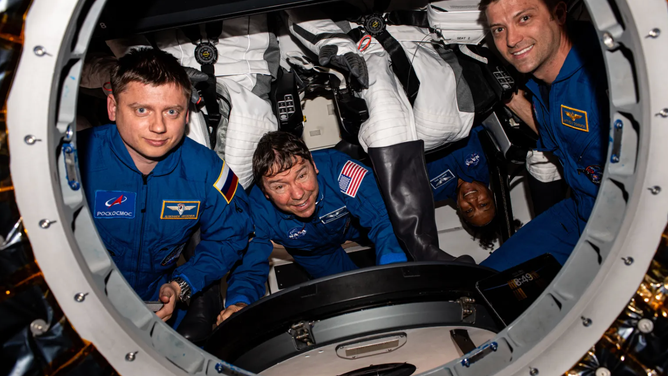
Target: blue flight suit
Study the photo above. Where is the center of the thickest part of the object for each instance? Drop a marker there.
(349, 207)
(573, 122)
(145, 221)
(466, 162)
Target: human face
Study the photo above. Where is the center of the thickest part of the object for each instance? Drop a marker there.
(529, 36)
(150, 119)
(475, 203)
(295, 190)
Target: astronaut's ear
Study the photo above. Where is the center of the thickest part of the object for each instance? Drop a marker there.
(560, 12)
(111, 107)
(314, 166)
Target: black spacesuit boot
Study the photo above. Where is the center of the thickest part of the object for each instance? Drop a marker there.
(404, 184)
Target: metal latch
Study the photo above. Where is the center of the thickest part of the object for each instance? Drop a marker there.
(468, 309)
(302, 334)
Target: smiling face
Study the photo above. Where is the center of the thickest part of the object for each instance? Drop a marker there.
(475, 204)
(294, 190)
(150, 119)
(530, 36)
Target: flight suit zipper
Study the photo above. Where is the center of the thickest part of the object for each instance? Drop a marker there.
(144, 191)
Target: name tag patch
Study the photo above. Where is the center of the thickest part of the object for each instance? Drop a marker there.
(442, 179)
(334, 215)
(179, 209)
(115, 204)
(574, 118)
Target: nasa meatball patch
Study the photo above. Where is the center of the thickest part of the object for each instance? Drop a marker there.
(351, 177)
(574, 118)
(179, 209)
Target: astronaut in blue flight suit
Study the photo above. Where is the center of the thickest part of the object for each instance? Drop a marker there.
(310, 204)
(149, 188)
(568, 90)
(463, 175)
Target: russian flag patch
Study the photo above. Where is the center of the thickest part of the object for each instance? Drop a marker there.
(227, 183)
(351, 177)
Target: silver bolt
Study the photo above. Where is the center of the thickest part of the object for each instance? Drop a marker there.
(654, 33)
(38, 327)
(614, 158)
(45, 223)
(533, 371)
(131, 356)
(586, 321)
(655, 190)
(40, 51)
(608, 40)
(627, 260)
(663, 113)
(30, 139)
(602, 371)
(645, 326)
(69, 133)
(219, 367)
(80, 297)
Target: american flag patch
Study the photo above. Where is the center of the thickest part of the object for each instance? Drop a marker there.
(351, 177)
(227, 183)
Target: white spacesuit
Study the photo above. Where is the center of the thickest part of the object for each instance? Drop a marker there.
(247, 59)
(398, 132)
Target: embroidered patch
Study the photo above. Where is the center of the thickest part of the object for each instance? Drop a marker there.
(334, 215)
(115, 204)
(227, 183)
(296, 233)
(442, 179)
(594, 173)
(351, 177)
(472, 160)
(179, 209)
(173, 255)
(574, 118)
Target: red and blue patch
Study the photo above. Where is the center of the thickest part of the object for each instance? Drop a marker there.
(350, 178)
(114, 204)
(227, 183)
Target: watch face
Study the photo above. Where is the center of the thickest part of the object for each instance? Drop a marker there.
(374, 24)
(206, 53)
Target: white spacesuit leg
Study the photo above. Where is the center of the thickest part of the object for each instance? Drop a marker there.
(250, 118)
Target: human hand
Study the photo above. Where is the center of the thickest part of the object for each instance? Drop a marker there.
(169, 293)
(227, 312)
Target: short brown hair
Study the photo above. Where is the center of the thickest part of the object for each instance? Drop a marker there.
(149, 66)
(551, 5)
(277, 152)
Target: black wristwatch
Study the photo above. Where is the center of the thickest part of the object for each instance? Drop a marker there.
(184, 296)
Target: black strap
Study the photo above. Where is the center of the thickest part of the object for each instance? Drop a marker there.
(315, 38)
(401, 66)
(407, 17)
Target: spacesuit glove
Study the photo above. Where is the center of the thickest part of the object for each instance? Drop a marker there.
(196, 76)
(350, 62)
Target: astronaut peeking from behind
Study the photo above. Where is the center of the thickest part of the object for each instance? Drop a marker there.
(311, 204)
(149, 187)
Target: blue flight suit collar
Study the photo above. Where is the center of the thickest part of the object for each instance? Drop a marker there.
(164, 167)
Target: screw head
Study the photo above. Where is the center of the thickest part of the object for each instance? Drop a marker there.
(654, 33)
(80, 297)
(39, 51)
(586, 321)
(602, 371)
(614, 158)
(663, 113)
(494, 346)
(69, 133)
(466, 362)
(645, 326)
(628, 260)
(533, 371)
(619, 124)
(45, 223)
(219, 367)
(655, 189)
(38, 327)
(131, 356)
(30, 139)
(608, 40)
